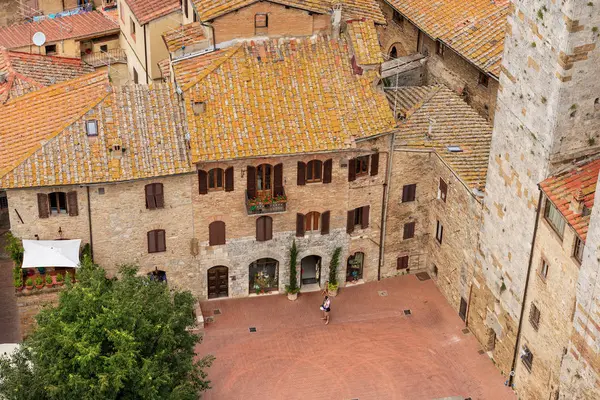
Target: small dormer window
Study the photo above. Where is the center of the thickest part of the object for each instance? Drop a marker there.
(91, 127)
(116, 147)
(261, 21)
(199, 107)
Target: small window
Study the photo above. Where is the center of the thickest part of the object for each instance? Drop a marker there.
(156, 241)
(393, 52)
(216, 179)
(50, 49)
(358, 216)
(399, 19)
(439, 48)
(483, 79)
(104, 48)
(544, 269)
(361, 165)
(261, 21)
(402, 262)
(534, 316)
(216, 233)
(409, 192)
(442, 190)
(264, 229)
(3, 202)
(91, 127)
(527, 358)
(58, 202)
(439, 232)
(314, 171)
(136, 78)
(154, 196)
(186, 8)
(554, 218)
(311, 221)
(409, 231)
(578, 249)
(132, 28)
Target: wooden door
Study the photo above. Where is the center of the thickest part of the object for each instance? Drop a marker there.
(463, 309)
(264, 180)
(218, 282)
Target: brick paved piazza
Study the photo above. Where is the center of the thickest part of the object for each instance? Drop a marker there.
(370, 350)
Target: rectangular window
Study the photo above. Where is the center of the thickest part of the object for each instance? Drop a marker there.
(261, 21)
(135, 76)
(483, 79)
(534, 316)
(439, 232)
(358, 216)
(186, 8)
(399, 19)
(91, 127)
(409, 192)
(544, 270)
(402, 262)
(50, 49)
(361, 165)
(155, 197)
(58, 202)
(3, 202)
(527, 358)
(409, 231)
(104, 48)
(132, 28)
(442, 190)
(156, 241)
(554, 218)
(578, 249)
(439, 48)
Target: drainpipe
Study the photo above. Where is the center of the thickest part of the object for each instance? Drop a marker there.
(384, 200)
(518, 342)
(148, 78)
(90, 222)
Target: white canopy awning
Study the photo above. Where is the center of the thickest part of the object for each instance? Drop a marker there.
(51, 253)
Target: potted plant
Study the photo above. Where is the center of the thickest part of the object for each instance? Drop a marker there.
(292, 289)
(39, 282)
(19, 284)
(49, 281)
(59, 279)
(333, 286)
(29, 284)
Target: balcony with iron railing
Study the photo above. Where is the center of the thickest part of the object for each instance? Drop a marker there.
(103, 58)
(266, 203)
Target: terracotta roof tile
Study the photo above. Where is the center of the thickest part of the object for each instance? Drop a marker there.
(210, 9)
(87, 24)
(475, 29)
(25, 72)
(453, 123)
(364, 41)
(192, 69)
(149, 10)
(184, 36)
(561, 188)
(165, 69)
(283, 97)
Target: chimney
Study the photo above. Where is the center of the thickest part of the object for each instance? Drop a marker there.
(336, 20)
(576, 204)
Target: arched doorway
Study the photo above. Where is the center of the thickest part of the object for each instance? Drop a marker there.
(354, 268)
(310, 270)
(263, 275)
(157, 275)
(218, 282)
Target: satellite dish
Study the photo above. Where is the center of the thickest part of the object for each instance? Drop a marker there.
(39, 38)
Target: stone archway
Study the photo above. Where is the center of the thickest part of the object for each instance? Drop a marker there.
(263, 275)
(310, 270)
(397, 50)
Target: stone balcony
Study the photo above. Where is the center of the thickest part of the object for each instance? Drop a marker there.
(266, 204)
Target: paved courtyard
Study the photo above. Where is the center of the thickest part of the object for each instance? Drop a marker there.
(370, 349)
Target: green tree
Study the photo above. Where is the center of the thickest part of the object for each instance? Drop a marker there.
(293, 286)
(333, 266)
(109, 339)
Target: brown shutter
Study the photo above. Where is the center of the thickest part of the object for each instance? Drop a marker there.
(251, 182)
(327, 169)
(159, 196)
(301, 174)
(365, 217)
(43, 208)
(202, 182)
(152, 242)
(260, 229)
(409, 230)
(268, 228)
(350, 222)
(325, 223)
(72, 204)
(374, 164)
(229, 179)
(299, 225)
(161, 243)
(351, 170)
(278, 180)
(150, 203)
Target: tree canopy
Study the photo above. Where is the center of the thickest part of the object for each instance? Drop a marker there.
(110, 339)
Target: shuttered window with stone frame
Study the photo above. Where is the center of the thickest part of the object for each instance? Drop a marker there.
(154, 196)
(314, 171)
(409, 231)
(264, 229)
(527, 358)
(442, 190)
(215, 179)
(157, 241)
(409, 192)
(57, 203)
(359, 166)
(358, 217)
(216, 233)
(402, 262)
(534, 316)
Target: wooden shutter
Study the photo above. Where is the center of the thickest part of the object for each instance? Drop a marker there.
(260, 229)
(216, 233)
(152, 242)
(150, 203)
(301, 174)
(159, 196)
(251, 182)
(374, 164)
(350, 222)
(365, 217)
(161, 243)
(327, 170)
(402, 262)
(300, 225)
(72, 204)
(405, 191)
(325, 223)
(351, 170)
(229, 179)
(202, 181)
(43, 207)
(268, 228)
(278, 180)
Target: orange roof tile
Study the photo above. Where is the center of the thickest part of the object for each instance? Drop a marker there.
(165, 69)
(364, 41)
(475, 29)
(147, 124)
(25, 72)
(183, 36)
(87, 24)
(283, 97)
(562, 187)
(210, 9)
(191, 69)
(149, 10)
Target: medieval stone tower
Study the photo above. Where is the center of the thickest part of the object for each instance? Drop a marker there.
(547, 116)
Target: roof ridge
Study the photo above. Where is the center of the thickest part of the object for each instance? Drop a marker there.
(212, 67)
(419, 104)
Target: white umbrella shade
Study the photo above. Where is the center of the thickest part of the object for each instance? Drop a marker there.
(51, 253)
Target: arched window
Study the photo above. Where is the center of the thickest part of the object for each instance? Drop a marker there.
(263, 275)
(393, 52)
(216, 233)
(314, 171)
(264, 229)
(311, 221)
(216, 177)
(157, 241)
